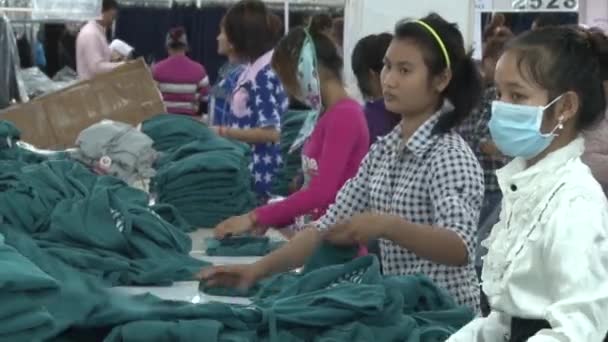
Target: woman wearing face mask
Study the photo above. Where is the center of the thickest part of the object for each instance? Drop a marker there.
(420, 188)
(259, 100)
(335, 139)
(546, 272)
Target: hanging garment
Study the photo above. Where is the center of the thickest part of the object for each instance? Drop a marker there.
(11, 85)
(116, 149)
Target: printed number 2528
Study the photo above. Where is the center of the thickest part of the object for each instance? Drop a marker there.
(545, 4)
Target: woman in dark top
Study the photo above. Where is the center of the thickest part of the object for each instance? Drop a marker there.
(367, 64)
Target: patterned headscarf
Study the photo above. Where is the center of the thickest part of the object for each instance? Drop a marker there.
(310, 88)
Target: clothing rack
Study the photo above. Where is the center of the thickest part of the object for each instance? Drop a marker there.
(11, 84)
(203, 3)
(286, 5)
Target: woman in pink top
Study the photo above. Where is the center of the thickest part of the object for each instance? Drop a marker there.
(183, 82)
(335, 137)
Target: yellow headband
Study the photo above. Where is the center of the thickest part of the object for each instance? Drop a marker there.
(439, 41)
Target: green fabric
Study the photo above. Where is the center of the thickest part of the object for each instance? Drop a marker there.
(204, 176)
(9, 133)
(24, 291)
(11, 149)
(241, 246)
(170, 131)
(170, 214)
(350, 300)
(95, 224)
(291, 123)
(207, 187)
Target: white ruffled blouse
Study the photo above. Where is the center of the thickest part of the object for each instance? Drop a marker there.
(548, 255)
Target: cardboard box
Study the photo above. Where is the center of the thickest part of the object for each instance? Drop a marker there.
(53, 121)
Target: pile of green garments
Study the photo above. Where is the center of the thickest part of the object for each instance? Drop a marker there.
(95, 224)
(204, 176)
(171, 132)
(24, 291)
(11, 148)
(291, 123)
(338, 302)
(241, 246)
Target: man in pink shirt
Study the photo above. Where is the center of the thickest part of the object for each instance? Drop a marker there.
(93, 54)
(183, 82)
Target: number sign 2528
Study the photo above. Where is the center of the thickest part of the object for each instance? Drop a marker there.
(545, 5)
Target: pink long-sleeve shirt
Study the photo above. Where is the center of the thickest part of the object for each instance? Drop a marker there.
(93, 54)
(331, 156)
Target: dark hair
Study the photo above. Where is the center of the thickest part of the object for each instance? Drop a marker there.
(276, 27)
(338, 30)
(248, 28)
(562, 59)
(495, 46)
(176, 39)
(108, 5)
(497, 22)
(368, 55)
(547, 20)
(320, 23)
(465, 88)
(287, 54)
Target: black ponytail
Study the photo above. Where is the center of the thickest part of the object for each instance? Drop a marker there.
(464, 91)
(287, 53)
(465, 88)
(327, 52)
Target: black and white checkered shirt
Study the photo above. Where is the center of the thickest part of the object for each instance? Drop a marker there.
(475, 131)
(433, 179)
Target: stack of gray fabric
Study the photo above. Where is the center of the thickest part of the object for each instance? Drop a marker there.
(117, 149)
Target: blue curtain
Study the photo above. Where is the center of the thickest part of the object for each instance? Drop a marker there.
(145, 28)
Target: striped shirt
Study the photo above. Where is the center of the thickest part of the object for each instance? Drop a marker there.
(183, 83)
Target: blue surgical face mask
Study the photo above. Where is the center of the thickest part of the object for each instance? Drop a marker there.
(515, 129)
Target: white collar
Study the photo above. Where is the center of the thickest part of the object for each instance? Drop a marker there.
(517, 174)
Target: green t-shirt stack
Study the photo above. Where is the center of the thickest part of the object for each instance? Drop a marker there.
(291, 123)
(204, 176)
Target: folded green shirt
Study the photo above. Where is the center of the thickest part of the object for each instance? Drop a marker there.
(239, 246)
